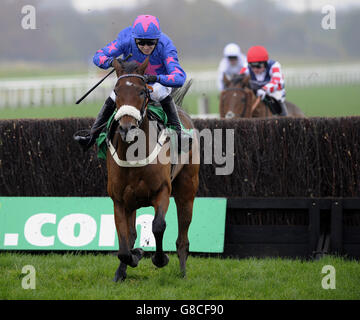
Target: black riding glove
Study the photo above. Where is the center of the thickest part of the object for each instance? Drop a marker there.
(151, 78)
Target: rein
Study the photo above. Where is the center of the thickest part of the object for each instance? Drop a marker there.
(132, 75)
(256, 103)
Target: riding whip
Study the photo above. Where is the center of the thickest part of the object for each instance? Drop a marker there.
(97, 84)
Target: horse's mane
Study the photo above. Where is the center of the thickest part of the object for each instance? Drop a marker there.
(128, 66)
(236, 79)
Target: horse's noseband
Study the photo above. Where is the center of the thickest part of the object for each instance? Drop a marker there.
(127, 110)
(229, 115)
(139, 115)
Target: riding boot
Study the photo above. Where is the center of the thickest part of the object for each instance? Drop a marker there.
(170, 109)
(284, 110)
(105, 113)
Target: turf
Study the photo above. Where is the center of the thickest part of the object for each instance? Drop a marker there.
(327, 101)
(89, 276)
(315, 102)
(321, 102)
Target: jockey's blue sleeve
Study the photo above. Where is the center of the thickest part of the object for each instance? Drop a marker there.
(175, 76)
(103, 58)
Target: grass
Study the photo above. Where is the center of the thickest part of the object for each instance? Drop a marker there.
(315, 102)
(89, 276)
(26, 70)
(327, 101)
(57, 111)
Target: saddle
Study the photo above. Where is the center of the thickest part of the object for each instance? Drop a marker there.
(156, 113)
(272, 104)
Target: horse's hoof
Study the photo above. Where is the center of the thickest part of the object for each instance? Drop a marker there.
(160, 261)
(183, 273)
(120, 273)
(138, 252)
(119, 277)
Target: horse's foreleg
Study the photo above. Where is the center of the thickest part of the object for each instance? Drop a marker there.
(137, 253)
(184, 215)
(125, 225)
(122, 231)
(184, 191)
(161, 204)
(120, 273)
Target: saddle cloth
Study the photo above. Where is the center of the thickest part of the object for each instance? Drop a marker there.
(155, 113)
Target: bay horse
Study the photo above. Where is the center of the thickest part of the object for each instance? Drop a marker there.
(238, 100)
(132, 187)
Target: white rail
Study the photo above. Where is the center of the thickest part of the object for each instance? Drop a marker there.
(326, 75)
(65, 91)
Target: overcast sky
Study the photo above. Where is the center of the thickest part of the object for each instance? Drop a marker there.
(298, 5)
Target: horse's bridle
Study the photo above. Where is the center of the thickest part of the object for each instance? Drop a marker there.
(242, 90)
(161, 140)
(147, 94)
(246, 98)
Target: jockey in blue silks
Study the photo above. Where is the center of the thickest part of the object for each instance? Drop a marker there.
(144, 38)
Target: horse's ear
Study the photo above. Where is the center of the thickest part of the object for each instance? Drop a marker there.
(246, 82)
(226, 81)
(117, 66)
(143, 66)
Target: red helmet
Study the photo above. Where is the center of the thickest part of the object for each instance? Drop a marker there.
(257, 54)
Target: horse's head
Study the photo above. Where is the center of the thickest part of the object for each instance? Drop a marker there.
(132, 96)
(236, 99)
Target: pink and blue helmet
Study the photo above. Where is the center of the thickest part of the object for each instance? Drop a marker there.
(146, 27)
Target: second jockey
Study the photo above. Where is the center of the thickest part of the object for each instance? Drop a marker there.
(266, 75)
(143, 39)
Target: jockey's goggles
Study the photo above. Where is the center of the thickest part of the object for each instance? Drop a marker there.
(146, 42)
(232, 57)
(257, 65)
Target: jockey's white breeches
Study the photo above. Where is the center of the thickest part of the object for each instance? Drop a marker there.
(157, 94)
(278, 95)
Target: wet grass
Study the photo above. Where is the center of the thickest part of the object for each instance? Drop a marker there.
(89, 276)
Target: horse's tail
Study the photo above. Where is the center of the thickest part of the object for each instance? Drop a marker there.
(178, 94)
(294, 110)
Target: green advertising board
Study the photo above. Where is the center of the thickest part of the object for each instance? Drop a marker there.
(87, 223)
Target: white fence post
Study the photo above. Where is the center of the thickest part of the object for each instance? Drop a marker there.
(203, 104)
